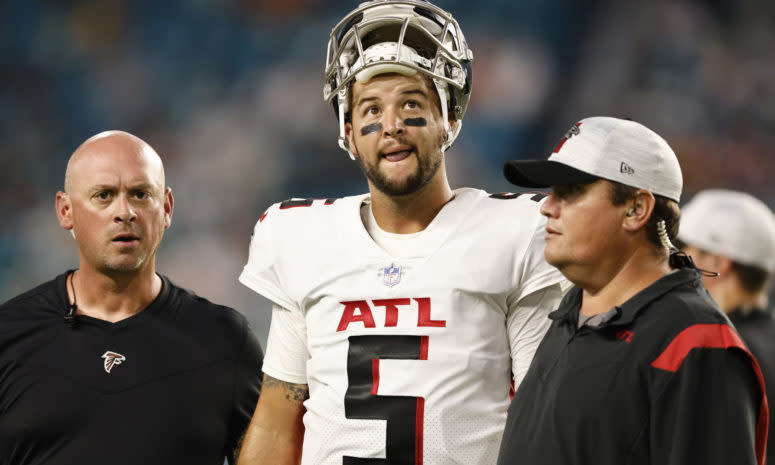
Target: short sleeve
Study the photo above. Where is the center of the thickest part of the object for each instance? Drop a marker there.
(261, 272)
(526, 324)
(535, 271)
(247, 386)
(286, 347)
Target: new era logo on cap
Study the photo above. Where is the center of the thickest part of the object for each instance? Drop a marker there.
(609, 148)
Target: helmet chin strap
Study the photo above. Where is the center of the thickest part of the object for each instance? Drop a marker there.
(344, 144)
(441, 89)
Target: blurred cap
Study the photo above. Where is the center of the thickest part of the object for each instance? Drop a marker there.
(730, 223)
(609, 148)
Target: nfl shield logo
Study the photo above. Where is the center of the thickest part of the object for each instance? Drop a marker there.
(391, 275)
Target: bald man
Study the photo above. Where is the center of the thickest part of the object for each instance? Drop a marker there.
(112, 363)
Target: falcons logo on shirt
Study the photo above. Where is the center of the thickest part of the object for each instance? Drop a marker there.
(112, 359)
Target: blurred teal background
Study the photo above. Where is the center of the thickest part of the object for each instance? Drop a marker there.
(230, 95)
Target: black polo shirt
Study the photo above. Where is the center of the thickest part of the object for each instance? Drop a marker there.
(176, 383)
(757, 328)
(665, 381)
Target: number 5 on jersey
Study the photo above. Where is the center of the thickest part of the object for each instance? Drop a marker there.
(404, 414)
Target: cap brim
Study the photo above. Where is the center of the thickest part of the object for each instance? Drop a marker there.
(544, 173)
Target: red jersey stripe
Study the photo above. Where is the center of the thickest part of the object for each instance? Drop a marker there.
(374, 376)
(418, 437)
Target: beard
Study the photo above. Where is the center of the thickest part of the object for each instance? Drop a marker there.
(427, 166)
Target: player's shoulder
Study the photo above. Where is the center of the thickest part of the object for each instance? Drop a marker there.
(296, 215)
(504, 202)
(306, 208)
(507, 212)
(40, 300)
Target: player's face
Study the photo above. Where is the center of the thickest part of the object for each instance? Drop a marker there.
(119, 208)
(396, 132)
(583, 229)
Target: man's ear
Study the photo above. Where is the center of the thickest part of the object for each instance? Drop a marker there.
(348, 133)
(64, 208)
(636, 212)
(721, 264)
(169, 203)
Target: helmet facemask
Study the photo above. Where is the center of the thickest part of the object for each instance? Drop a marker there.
(406, 36)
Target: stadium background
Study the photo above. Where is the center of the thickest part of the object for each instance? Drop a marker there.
(229, 94)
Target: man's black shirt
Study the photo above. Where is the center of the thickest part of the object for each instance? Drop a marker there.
(175, 383)
(666, 381)
(757, 328)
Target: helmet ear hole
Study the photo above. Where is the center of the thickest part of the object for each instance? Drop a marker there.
(469, 72)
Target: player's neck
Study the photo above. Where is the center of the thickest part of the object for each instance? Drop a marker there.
(112, 297)
(411, 213)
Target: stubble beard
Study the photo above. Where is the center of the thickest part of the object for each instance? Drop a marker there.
(427, 167)
(127, 262)
(123, 263)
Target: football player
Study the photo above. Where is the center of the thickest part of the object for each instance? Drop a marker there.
(402, 317)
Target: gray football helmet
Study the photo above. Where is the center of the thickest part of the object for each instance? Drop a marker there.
(404, 36)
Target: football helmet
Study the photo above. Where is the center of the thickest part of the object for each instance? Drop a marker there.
(403, 36)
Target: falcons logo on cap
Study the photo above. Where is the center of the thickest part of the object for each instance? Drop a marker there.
(573, 131)
(112, 359)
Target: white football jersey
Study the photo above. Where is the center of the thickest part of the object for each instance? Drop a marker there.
(410, 359)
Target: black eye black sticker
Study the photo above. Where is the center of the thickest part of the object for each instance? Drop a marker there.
(369, 128)
(415, 122)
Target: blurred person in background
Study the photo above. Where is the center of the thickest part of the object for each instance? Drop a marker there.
(732, 233)
(112, 363)
(401, 317)
(639, 366)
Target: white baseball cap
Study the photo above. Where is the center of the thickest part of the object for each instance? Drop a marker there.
(609, 148)
(730, 223)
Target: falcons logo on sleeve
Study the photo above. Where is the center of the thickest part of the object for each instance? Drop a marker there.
(112, 359)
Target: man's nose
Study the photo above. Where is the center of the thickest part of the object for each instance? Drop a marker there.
(124, 211)
(392, 123)
(549, 207)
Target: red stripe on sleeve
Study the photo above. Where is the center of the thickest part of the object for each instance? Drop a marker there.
(716, 336)
(423, 347)
(711, 336)
(374, 376)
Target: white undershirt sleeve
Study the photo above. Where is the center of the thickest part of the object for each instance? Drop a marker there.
(286, 346)
(526, 324)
